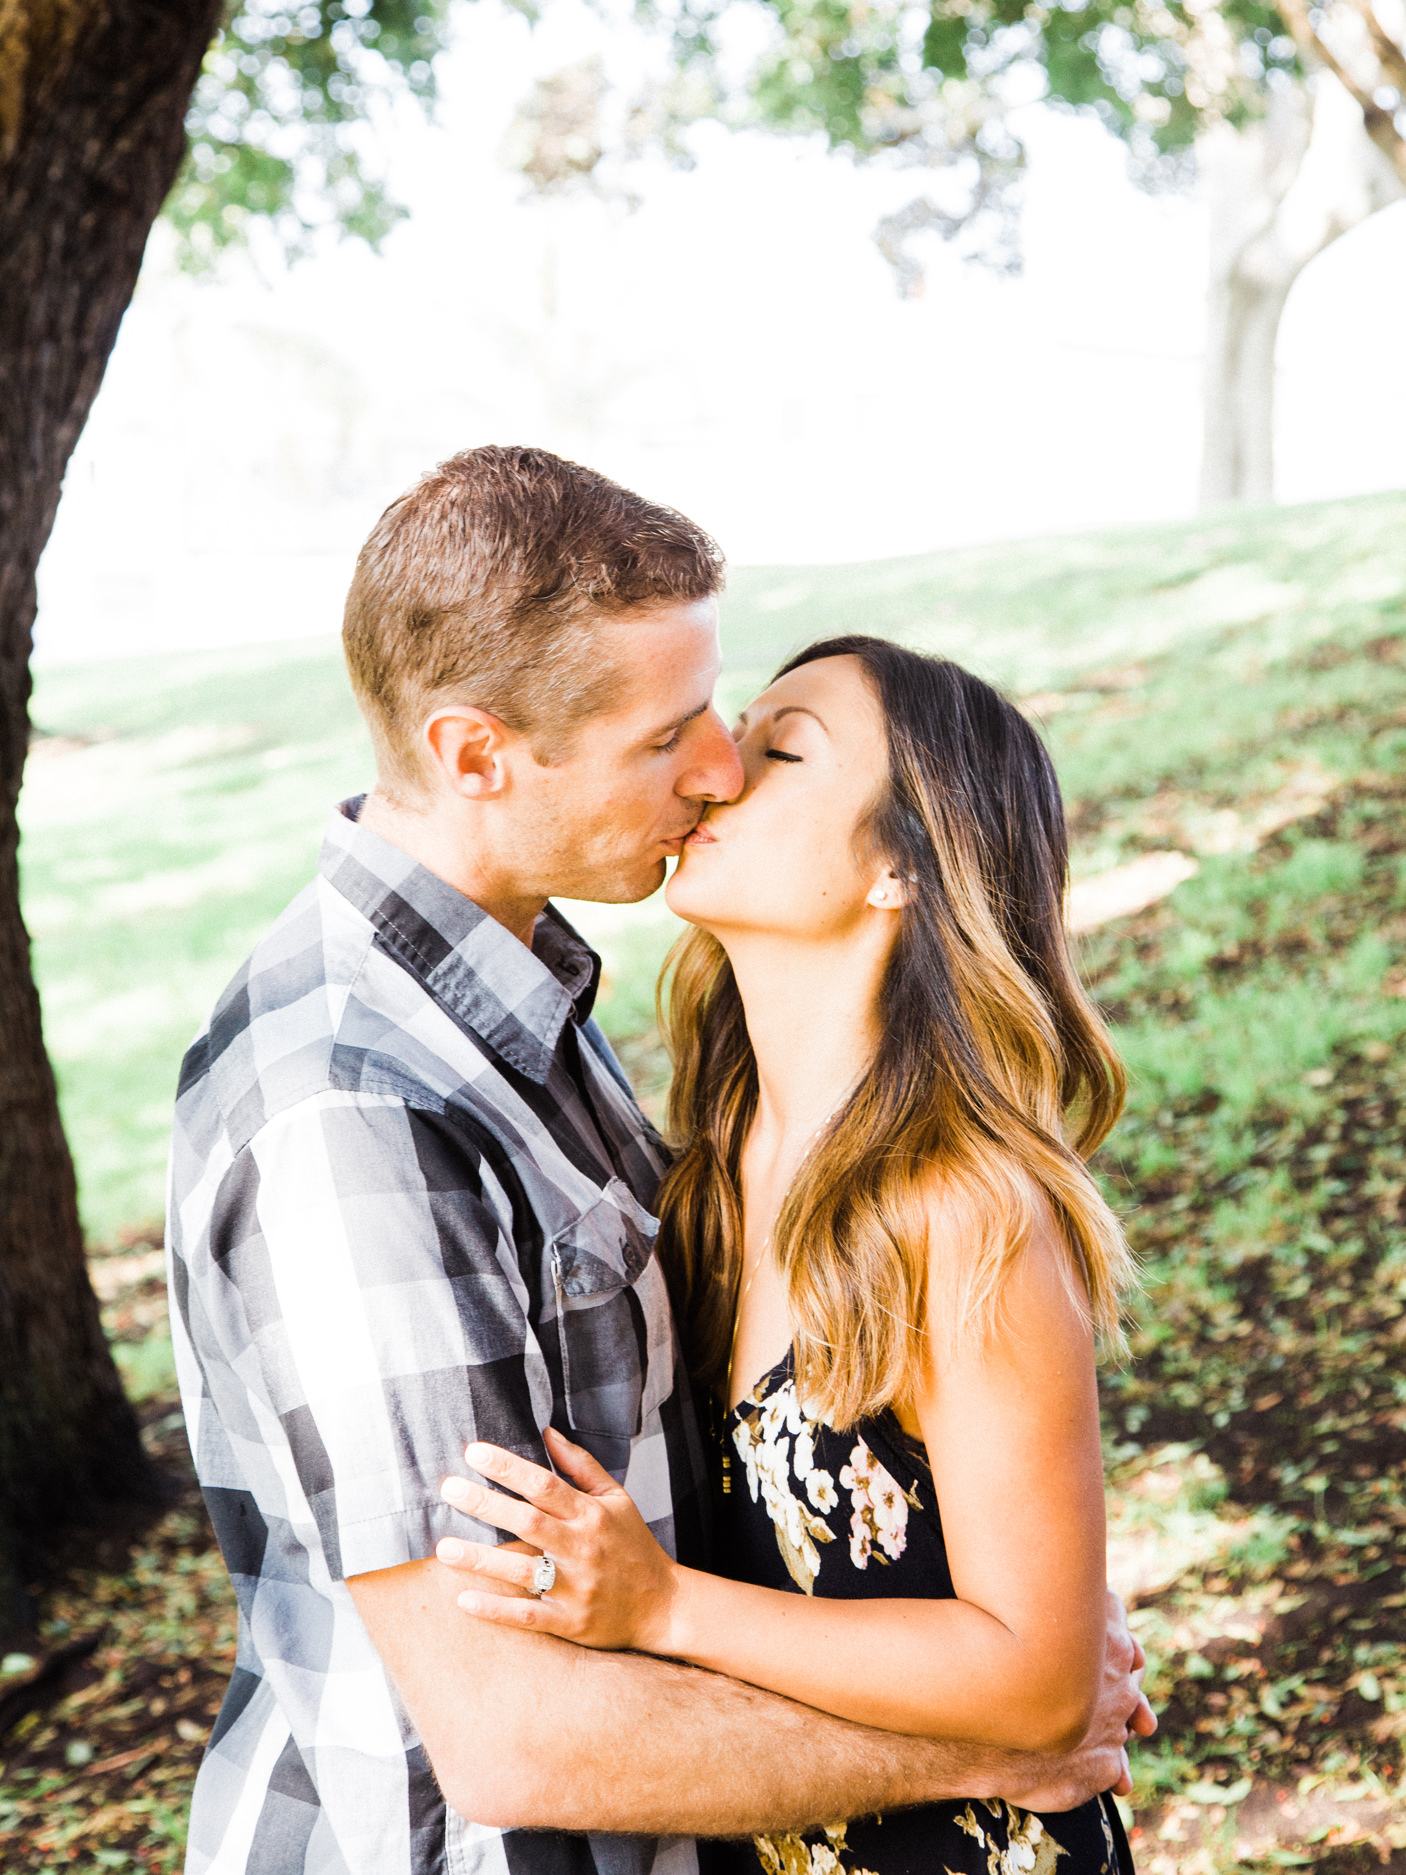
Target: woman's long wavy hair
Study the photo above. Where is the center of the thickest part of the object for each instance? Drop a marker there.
(993, 1082)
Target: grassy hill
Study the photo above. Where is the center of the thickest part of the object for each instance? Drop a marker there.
(1233, 690)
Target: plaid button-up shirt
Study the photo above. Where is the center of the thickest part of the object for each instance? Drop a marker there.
(409, 1206)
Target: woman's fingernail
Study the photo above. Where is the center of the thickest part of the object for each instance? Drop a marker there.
(469, 1602)
(482, 1457)
(450, 1549)
(456, 1490)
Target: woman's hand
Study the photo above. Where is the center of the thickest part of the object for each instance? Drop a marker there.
(615, 1587)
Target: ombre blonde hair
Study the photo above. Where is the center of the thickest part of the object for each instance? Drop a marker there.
(993, 1082)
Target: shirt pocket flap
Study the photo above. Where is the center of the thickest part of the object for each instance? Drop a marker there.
(607, 1247)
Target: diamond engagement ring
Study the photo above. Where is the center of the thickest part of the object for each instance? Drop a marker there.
(544, 1575)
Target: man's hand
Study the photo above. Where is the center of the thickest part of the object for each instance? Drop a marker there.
(1100, 1761)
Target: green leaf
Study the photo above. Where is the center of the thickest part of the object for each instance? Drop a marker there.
(1218, 1793)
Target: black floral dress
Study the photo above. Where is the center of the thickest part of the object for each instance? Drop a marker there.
(852, 1515)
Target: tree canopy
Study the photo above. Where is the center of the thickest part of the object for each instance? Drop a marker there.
(936, 84)
(283, 124)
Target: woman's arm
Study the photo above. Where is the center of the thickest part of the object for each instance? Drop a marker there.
(1012, 1431)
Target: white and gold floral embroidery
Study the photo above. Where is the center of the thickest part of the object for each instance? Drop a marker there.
(1029, 1848)
(879, 1509)
(776, 1443)
(793, 1855)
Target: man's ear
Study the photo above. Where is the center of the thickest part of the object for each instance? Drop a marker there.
(888, 892)
(469, 747)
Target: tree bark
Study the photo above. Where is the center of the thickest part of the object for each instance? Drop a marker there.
(93, 96)
(1237, 460)
(1278, 193)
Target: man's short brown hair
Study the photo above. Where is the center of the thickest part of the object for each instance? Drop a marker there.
(484, 585)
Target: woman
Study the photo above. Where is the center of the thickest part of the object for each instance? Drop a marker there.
(889, 1260)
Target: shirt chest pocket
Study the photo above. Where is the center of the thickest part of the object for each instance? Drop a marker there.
(612, 1315)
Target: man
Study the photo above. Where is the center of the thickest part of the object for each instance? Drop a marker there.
(410, 1207)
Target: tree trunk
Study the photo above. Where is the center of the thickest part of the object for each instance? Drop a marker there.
(93, 95)
(1278, 194)
(1237, 460)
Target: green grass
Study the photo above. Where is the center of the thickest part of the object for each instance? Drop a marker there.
(174, 807)
(1034, 614)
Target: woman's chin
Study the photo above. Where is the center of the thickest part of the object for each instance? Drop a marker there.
(672, 895)
(683, 902)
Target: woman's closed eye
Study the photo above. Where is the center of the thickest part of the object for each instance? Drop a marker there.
(780, 755)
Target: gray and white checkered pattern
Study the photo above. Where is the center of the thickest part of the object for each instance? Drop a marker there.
(409, 1207)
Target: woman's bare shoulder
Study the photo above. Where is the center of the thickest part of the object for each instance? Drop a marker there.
(1000, 1236)
(1003, 1202)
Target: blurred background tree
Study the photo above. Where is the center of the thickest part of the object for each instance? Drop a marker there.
(96, 97)
(1295, 116)
(291, 104)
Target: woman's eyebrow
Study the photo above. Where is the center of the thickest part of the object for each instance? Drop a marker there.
(799, 709)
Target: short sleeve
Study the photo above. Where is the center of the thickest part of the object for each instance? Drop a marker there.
(373, 1309)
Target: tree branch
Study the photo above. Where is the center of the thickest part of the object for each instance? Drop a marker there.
(1377, 122)
(1390, 55)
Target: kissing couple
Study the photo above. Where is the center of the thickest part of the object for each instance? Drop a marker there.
(781, 1544)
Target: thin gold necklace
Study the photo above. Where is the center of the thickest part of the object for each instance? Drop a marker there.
(801, 1164)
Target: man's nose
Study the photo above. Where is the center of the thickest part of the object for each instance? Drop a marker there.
(715, 772)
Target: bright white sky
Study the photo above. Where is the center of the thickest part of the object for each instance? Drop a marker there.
(735, 347)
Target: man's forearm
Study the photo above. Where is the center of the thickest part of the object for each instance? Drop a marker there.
(526, 1731)
(666, 1749)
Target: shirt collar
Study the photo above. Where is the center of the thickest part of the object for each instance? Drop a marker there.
(517, 1000)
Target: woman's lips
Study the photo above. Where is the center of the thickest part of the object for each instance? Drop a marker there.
(701, 836)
